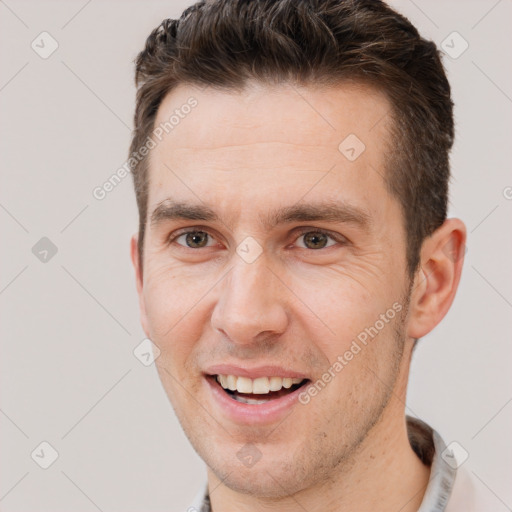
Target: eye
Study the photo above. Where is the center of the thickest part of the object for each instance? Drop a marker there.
(319, 239)
(313, 239)
(194, 239)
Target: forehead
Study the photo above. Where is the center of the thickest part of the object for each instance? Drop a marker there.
(261, 113)
(240, 148)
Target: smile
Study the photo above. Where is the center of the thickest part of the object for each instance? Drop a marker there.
(251, 391)
(251, 397)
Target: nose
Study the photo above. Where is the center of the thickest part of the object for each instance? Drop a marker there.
(251, 304)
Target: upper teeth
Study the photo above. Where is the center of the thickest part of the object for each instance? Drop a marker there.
(258, 386)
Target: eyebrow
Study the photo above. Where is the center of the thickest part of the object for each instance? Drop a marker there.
(176, 210)
(326, 211)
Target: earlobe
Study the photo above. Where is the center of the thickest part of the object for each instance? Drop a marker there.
(134, 254)
(137, 265)
(437, 279)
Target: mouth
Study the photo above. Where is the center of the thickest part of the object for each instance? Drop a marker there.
(258, 391)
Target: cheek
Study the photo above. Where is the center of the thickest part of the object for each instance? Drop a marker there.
(356, 344)
(341, 307)
(173, 306)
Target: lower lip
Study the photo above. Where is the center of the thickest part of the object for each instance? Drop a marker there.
(251, 414)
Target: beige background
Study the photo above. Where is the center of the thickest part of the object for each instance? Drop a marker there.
(70, 324)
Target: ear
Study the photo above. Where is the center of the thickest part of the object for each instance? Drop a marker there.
(137, 265)
(437, 279)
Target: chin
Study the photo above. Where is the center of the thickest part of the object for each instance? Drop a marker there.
(262, 481)
(279, 472)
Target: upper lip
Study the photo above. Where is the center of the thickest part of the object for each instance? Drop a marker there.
(254, 373)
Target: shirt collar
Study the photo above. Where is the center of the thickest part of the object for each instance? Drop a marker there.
(431, 449)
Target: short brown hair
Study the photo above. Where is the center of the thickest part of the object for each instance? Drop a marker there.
(226, 43)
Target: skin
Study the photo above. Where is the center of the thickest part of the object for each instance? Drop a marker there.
(243, 154)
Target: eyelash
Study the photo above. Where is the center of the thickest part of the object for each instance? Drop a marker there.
(333, 236)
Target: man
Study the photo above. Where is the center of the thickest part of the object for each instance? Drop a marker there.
(290, 161)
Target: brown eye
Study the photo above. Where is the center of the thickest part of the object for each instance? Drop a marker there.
(195, 239)
(315, 239)
(319, 239)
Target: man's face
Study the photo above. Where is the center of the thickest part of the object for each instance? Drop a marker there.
(254, 293)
